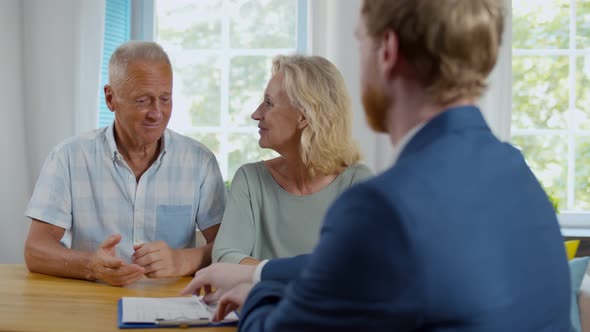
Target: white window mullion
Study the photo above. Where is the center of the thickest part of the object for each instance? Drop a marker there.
(549, 52)
(547, 132)
(538, 132)
(571, 176)
(239, 52)
(221, 129)
(223, 154)
(224, 148)
(571, 124)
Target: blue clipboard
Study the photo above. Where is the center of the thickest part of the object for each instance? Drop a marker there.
(154, 325)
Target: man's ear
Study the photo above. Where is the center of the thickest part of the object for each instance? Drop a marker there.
(388, 53)
(108, 97)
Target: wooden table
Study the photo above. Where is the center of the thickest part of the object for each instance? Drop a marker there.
(36, 302)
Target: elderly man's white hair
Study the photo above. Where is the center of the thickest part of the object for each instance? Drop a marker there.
(134, 50)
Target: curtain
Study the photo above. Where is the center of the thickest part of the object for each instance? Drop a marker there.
(14, 190)
(331, 34)
(51, 65)
(496, 103)
(62, 45)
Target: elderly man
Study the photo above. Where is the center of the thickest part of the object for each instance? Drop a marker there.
(435, 243)
(124, 201)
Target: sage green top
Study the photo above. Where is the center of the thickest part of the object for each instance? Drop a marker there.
(264, 221)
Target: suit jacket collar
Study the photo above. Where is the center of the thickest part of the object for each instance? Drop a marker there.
(452, 120)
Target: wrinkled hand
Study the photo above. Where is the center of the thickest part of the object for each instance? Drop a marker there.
(106, 266)
(232, 300)
(157, 258)
(218, 278)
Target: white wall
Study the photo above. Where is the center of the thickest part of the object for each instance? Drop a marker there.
(50, 65)
(48, 39)
(14, 176)
(62, 48)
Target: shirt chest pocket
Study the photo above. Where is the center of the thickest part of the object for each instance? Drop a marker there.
(174, 225)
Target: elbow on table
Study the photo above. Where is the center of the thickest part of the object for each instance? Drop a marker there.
(227, 255)
(217, 254)
(31, 257)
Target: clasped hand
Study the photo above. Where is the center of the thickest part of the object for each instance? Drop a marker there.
(106, 266)
(154, 260)
(157, 258)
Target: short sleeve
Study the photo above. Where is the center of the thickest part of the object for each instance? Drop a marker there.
(236, 236)
(51, 201)
(212, 196)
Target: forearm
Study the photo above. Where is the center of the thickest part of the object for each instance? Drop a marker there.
(54, 259)
(229, 246)
(285, 269)
(249, 261)
(194, 259)
(230, 249)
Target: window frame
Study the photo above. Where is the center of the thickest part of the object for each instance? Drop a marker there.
(143, 22)
(573, 222)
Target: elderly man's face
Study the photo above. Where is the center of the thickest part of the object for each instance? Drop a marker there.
(142, 101)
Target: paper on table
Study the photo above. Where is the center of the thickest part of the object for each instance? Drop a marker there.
(150, 309)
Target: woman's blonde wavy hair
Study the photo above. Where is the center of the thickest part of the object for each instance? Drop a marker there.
(316, 87)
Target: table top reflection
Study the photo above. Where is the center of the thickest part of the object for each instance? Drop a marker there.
(36, 302)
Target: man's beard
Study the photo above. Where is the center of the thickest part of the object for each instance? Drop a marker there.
(375, 105)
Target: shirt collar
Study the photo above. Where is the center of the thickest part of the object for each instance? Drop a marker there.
(110, 136)
(114, 152)
(452, 120)
(399, 147)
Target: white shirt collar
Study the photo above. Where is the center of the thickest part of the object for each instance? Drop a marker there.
(110, 136)
(399, 147)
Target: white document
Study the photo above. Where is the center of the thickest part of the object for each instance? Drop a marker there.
(152, 309)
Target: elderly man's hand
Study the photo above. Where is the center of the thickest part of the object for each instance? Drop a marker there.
(104, 265)
(232, 300)
(158, 259)
(218, 278)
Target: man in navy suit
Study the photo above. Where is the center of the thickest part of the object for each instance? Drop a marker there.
(457, 235)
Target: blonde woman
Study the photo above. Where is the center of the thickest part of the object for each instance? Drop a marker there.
(276, 206)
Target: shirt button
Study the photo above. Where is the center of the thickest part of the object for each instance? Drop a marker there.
(130, 177)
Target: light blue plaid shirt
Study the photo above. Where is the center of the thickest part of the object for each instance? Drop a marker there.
(87, 188)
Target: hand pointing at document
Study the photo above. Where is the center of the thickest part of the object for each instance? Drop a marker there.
(219, 278)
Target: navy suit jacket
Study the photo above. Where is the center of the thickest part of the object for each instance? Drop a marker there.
(457, 236)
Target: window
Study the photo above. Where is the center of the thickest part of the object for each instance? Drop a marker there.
(117, 30)
(221, 52)
(551, 96)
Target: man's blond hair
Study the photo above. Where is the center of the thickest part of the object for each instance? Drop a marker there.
(451, 44)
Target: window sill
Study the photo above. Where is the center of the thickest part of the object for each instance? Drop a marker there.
(575, 224)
